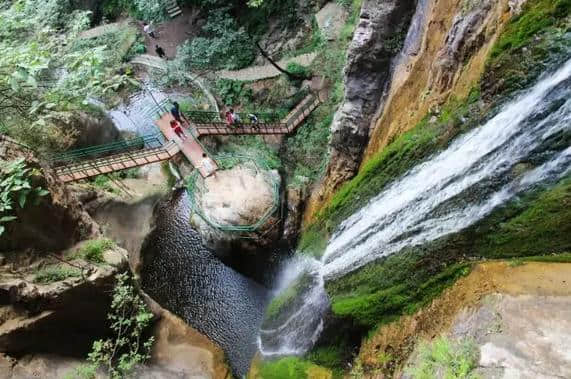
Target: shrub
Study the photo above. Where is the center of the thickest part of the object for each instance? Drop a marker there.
(223, 44)
(56, 273)
(445, 358)
(93, 250)
(16, 188)
(129, 319)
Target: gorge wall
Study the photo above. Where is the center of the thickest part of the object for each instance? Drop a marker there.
(389, 89)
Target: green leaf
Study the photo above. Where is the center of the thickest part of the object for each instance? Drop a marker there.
(22, 199)
(8, 218)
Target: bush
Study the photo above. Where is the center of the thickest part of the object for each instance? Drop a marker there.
(56, 273)
(129, 319)
(93, 250)
(445, 358)
(223, 44)
(16, 188)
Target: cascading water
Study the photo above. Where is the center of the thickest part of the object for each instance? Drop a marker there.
(443, 195)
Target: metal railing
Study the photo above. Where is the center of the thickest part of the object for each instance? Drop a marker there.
(227, 161)
(93, 152)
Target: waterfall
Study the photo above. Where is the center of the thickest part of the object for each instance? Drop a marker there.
(432, 200)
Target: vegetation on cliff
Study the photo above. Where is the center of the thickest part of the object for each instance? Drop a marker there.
(517, 59)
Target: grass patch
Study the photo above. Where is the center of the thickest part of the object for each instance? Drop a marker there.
(536, 16)
(93, 250)
(291, 368)
(381, 292)
(447, 359)
(543, 227)
(56, 273)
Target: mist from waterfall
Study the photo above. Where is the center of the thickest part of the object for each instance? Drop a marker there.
(432, 199)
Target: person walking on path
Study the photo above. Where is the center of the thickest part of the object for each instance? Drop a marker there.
(178, 129)
(207, 166)
(160, 52)
(148, 28)
(177, 114)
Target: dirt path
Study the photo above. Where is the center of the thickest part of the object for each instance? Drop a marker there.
(173, 33)
(266, 71)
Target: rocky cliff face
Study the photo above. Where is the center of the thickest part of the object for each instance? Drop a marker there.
(56, 223)
(377, 39)
(443, 57)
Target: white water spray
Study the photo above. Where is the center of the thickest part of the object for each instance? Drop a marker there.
(432, 200)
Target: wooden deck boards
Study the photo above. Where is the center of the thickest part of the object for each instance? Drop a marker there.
(190, 147)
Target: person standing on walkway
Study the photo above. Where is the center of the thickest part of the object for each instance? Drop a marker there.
(229, 118)
(235, 117)
(148, 28)
(207, 166)
(178, 130)
(160, 52)
(177, 114)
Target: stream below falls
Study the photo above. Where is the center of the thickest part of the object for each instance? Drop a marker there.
(443, 195)
(186, 278)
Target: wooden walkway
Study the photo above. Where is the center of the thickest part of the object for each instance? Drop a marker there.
(118, 162)
(190, 147)
(286, 126)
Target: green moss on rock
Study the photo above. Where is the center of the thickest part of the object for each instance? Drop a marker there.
(292, 368)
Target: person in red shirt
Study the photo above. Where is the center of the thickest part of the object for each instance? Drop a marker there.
(178, 130)
(229, 118)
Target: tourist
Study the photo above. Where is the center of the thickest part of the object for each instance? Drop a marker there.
(253, 118)
(160, 52)
(177, 114)
(178, 129)
(229, 118)
(207, 166)
(148, 28)
(235, 117)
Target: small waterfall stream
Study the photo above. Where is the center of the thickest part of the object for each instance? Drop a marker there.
(447, 193)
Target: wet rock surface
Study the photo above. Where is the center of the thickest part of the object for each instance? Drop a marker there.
(186, 278)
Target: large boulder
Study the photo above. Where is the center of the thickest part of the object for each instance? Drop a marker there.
(241, 196)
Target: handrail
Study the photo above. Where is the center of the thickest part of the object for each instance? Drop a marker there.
(98, 150)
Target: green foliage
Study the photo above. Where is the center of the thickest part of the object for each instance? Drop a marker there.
(445, 358)
(150, 10)
(288, 368)
(298, 70)
(252, 146)
(233, 91)
(37, 44)
(16, 187)
(536, 16)
(383, 291)
(529, 45)
(129, 318)
(222, 44)
(93, 250)
(56, 273)
(331, 357)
